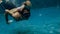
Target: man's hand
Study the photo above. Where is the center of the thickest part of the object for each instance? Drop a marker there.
(6, 10)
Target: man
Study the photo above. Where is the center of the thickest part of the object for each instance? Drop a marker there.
(6, 4)
(20, 12)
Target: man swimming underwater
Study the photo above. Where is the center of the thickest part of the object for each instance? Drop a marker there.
(20, 12)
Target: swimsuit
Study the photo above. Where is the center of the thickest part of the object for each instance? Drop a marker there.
(25, 15)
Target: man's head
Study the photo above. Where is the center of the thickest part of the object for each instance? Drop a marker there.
(28, 3)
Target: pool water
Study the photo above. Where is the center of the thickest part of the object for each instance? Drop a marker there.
(41, 21)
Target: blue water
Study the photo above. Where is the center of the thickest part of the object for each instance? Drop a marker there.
(44, 19)
(41, 21)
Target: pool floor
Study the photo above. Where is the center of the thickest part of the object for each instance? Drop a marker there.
(41, 21)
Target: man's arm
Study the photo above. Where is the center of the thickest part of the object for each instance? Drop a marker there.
(21, 7)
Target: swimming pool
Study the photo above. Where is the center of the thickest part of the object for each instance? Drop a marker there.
(45, 21)
(41, 21)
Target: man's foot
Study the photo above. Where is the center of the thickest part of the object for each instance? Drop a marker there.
(9, 21)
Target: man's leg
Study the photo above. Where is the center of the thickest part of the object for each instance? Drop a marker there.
(6, 16)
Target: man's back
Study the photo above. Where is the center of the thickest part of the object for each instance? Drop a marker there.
(6, 5)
